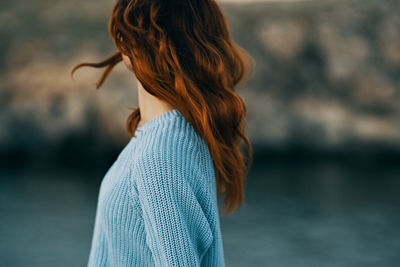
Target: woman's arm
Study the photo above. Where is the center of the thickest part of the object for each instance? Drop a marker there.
(177, 230)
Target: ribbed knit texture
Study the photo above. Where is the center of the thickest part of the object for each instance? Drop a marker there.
(157, 204)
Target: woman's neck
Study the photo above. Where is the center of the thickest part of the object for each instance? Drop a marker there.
(150, 106)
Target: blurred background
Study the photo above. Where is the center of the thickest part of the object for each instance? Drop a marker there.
(323, 118)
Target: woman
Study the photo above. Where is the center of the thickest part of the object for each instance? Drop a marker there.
(157, 203)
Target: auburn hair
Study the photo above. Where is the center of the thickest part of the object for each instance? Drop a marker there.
(182, 52)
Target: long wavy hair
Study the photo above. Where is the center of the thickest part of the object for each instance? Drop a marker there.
(182, 52)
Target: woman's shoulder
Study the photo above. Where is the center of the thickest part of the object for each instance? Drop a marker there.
(175, 146)
(177, 137)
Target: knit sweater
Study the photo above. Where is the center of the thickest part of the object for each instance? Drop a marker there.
(157, 203)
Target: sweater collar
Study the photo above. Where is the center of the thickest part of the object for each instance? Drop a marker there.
(157, 120)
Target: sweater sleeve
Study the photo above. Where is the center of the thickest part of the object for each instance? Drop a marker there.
(177, 230)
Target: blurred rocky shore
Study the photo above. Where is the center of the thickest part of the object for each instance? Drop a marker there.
(326, 81)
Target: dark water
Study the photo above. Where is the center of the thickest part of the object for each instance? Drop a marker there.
(321, 214)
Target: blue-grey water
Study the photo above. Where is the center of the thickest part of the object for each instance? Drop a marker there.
(321, 214)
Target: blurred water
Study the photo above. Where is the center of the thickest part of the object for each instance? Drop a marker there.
(317, 215)
(312, 215)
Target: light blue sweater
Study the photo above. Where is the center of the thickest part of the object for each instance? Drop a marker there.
(157, 204)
